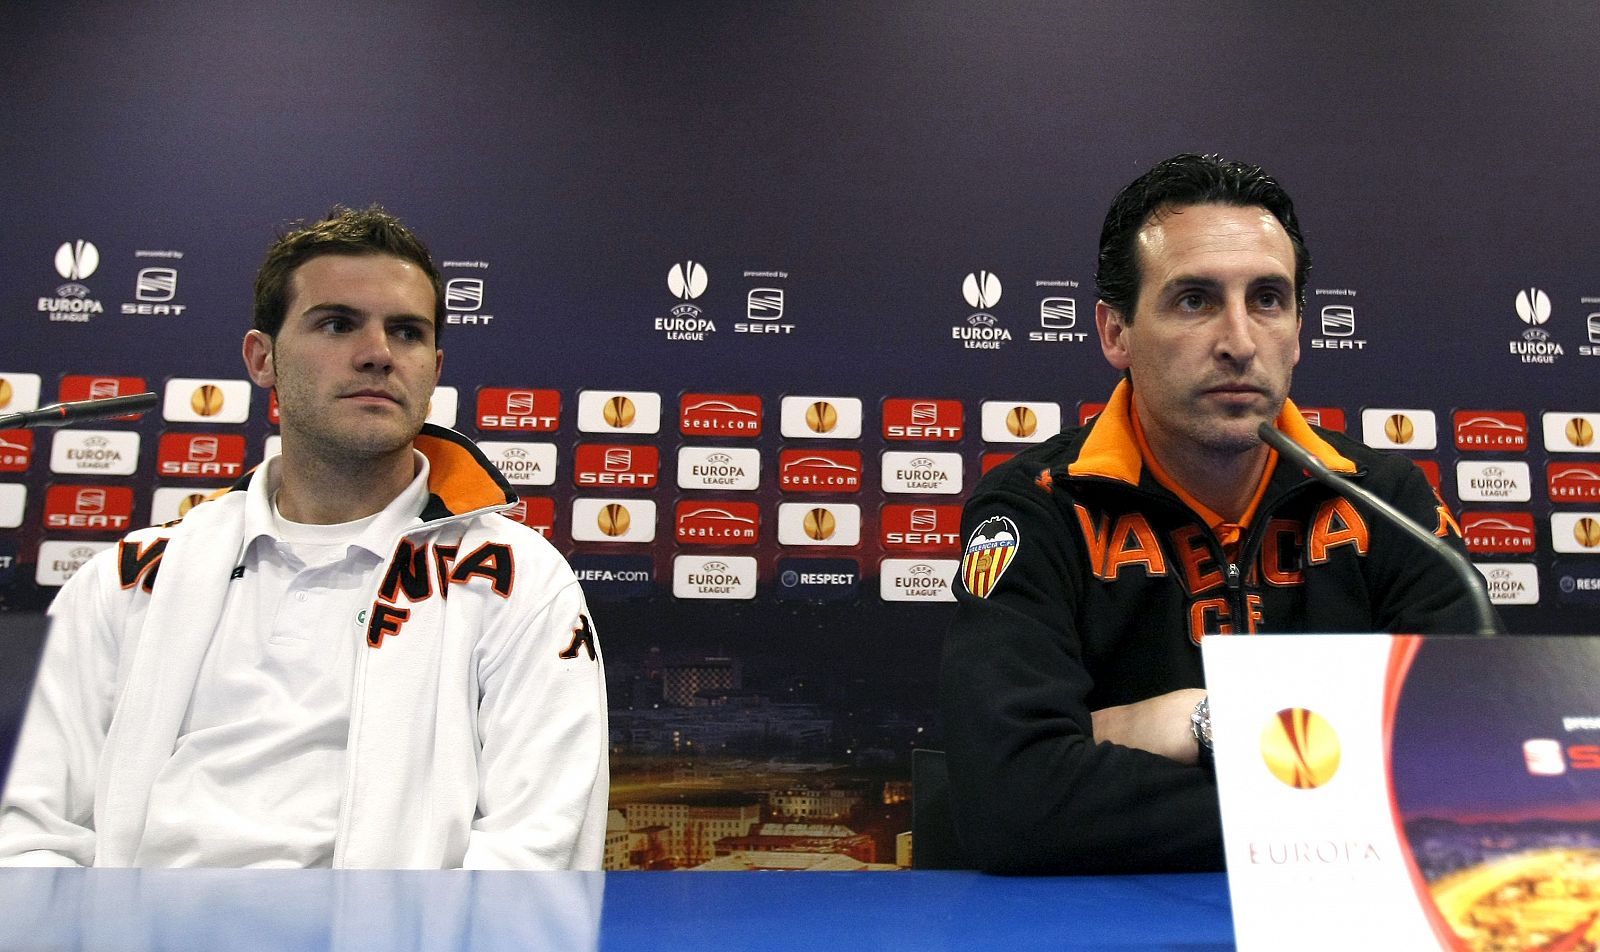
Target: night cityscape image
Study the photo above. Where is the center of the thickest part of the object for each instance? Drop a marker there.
(784, 746)
(1505, 831)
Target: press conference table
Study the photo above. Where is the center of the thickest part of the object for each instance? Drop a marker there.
(574, 912)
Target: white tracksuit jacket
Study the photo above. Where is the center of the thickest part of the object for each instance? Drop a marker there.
(478, 733)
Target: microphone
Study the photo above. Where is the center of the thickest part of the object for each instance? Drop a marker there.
(79, 411)
(1482, 607)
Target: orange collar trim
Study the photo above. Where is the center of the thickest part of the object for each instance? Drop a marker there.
(1112, 448)
(456, 474)
(1111, 451)
(1227, 532)
(1295, 427)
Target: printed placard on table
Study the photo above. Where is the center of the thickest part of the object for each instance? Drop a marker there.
(1400, 792)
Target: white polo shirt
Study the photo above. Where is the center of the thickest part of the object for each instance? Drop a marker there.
(258, 772)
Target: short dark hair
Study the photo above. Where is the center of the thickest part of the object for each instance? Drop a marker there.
(1179, 182)
(344, 231)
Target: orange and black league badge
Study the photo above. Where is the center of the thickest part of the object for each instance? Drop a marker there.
(1300, 748)
(989, 550)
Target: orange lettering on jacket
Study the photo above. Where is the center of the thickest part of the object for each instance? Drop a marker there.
(1095, 537)
(135, 562)
(1280, 553)
(1133, 543)
(1213, 616)
(1200, 569)
(1129, 541)
(1336, 523)
(1447, 523)
(416, 572)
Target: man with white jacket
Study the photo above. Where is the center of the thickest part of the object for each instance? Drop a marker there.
(351, 658)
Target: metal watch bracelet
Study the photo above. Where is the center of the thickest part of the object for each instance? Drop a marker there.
(1200, 723)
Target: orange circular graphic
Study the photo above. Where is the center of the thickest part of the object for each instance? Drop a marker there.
(1022, 421)
(1300, 748)
(819, 524)
(614, 519)
(189, 502)
(1580, 432)
(619, 412)
(1587, 532)
(821, 417)
(206, 399)
(6, 393)
(1398, 428)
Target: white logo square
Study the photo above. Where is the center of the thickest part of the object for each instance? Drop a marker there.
(13, 503)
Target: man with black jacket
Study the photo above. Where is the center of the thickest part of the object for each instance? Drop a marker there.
(1097, 561)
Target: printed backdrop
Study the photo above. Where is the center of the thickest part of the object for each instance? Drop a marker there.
(745, 299)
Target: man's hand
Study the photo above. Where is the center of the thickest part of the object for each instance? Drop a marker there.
(1159, 725)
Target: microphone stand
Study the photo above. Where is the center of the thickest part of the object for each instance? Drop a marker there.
(1488, 627)
(79, 411)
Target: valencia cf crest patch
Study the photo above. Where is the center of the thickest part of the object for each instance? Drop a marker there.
(989, 551)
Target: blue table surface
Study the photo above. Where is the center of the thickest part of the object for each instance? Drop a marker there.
(820, 912)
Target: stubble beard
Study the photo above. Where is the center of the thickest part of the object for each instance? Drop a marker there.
(1233, 434)
(343, 444)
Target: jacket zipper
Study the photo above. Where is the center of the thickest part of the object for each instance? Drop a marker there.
(1233, 574)
(1232, 571)
(1251, 546)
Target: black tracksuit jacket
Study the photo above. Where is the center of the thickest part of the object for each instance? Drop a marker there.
(1111, 584)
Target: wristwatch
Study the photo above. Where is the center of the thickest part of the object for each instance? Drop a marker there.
(1200, 724)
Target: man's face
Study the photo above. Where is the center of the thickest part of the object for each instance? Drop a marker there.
(355, 362)
(1216, 332)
